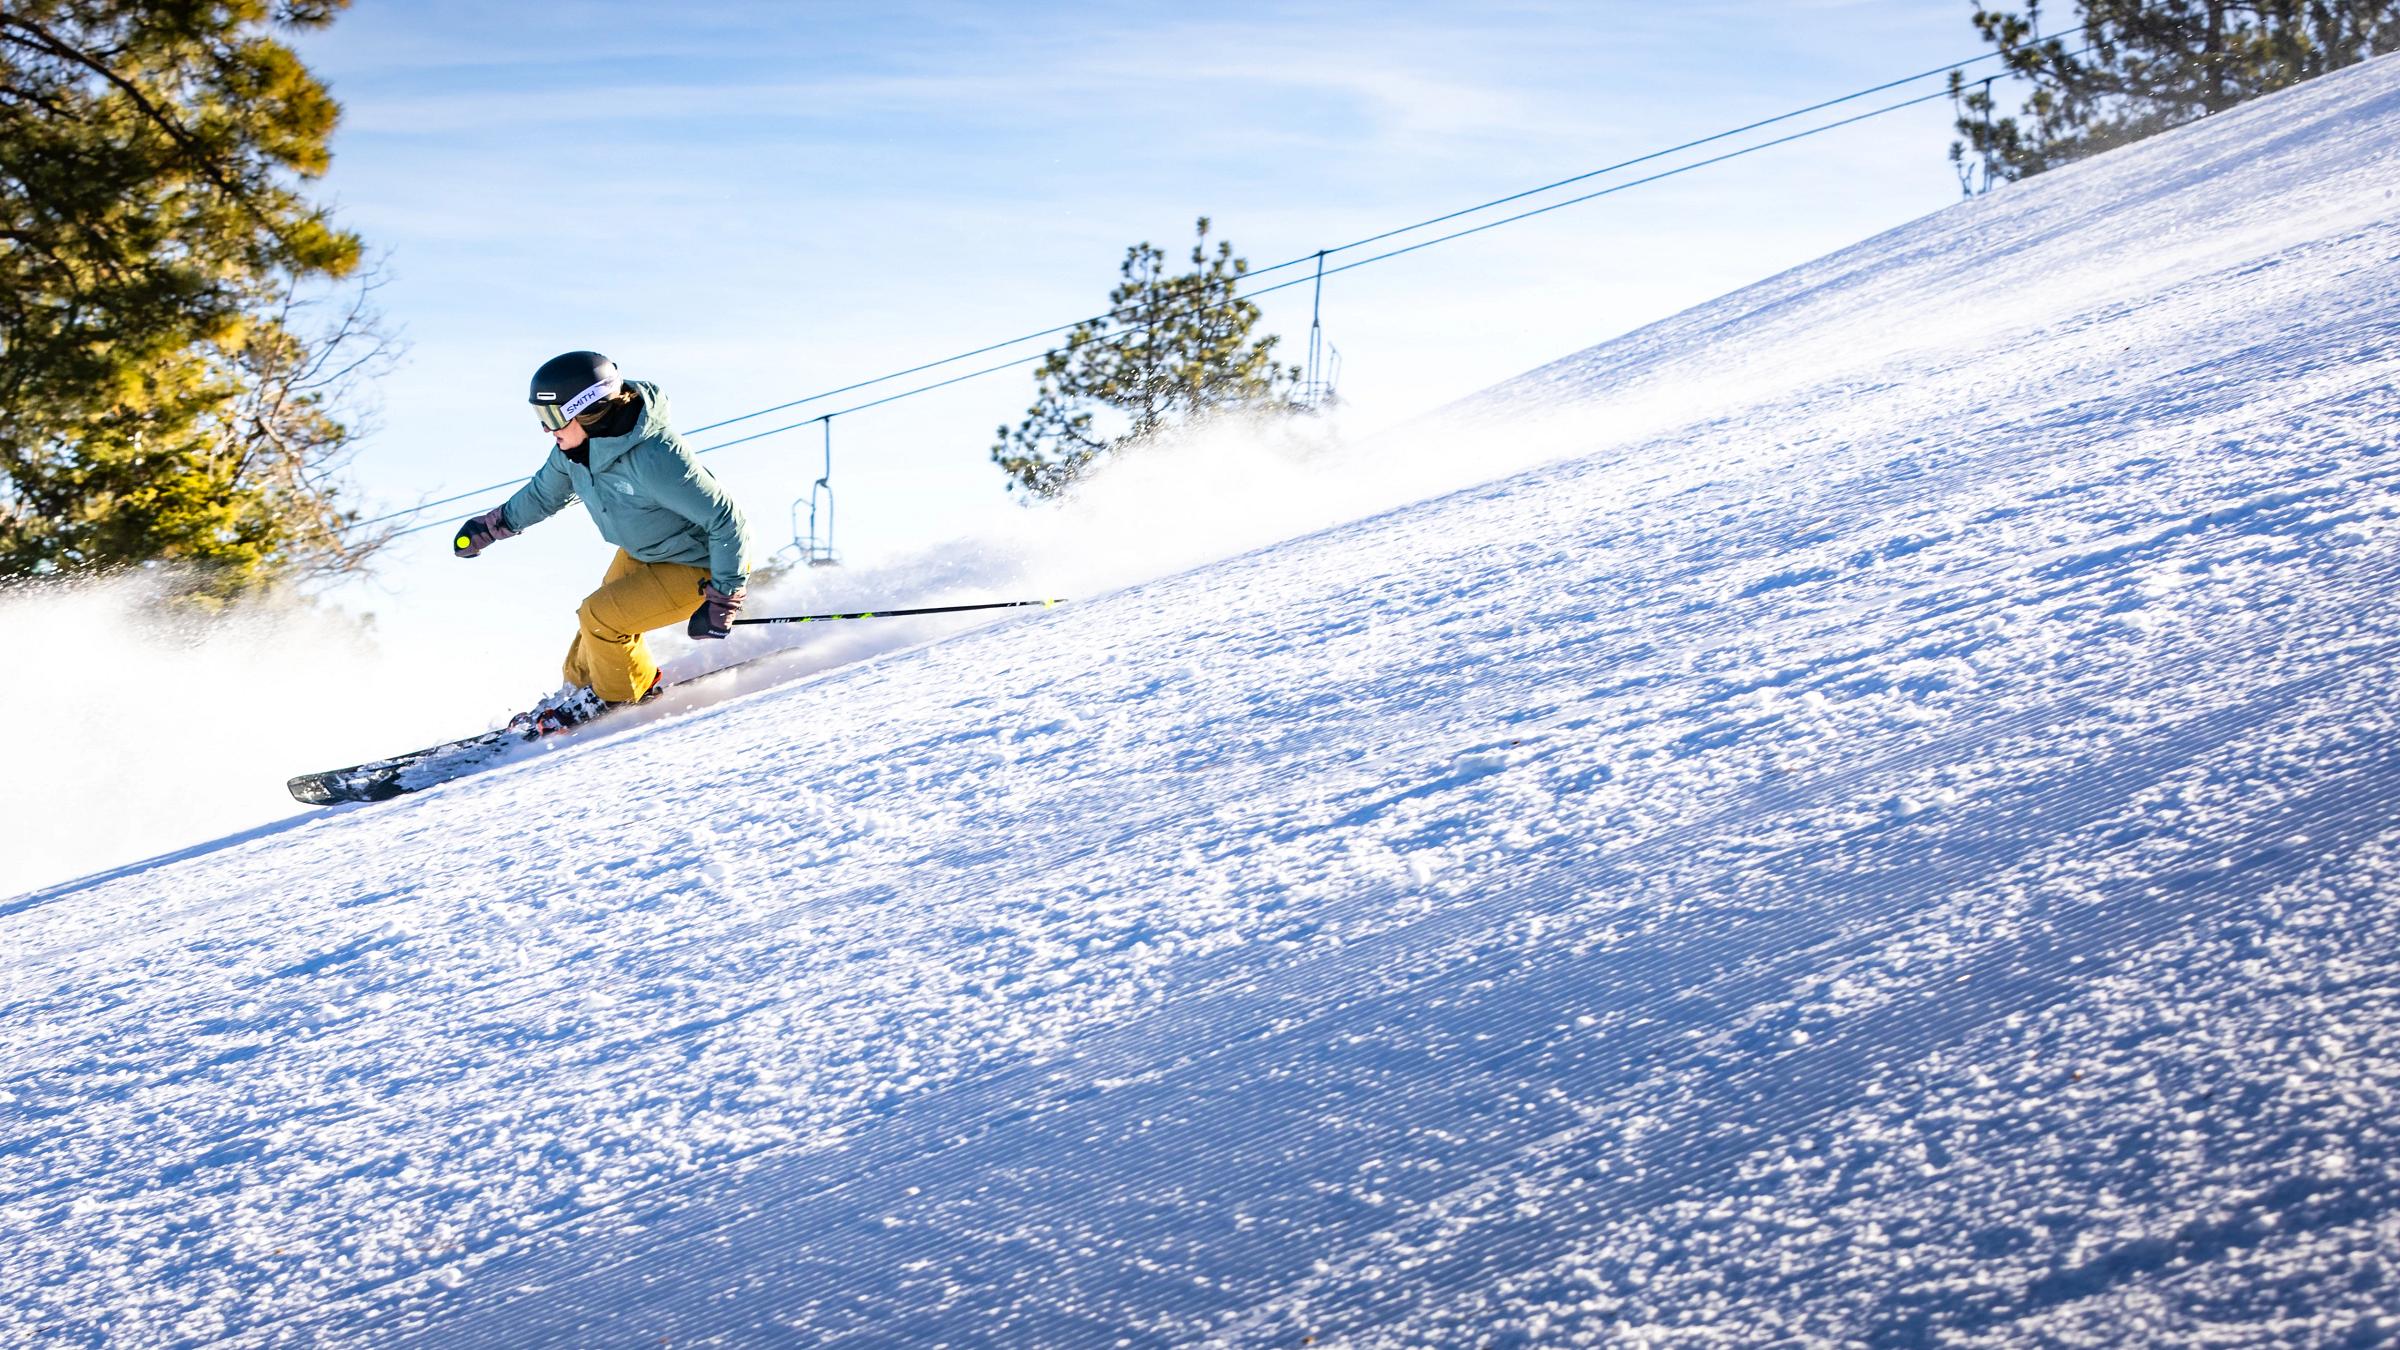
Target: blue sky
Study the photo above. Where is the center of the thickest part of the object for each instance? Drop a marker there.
(751, 202)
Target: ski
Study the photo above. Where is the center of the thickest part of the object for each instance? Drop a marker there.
(380, 780)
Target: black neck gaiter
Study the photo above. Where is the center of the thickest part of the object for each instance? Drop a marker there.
(621, 420)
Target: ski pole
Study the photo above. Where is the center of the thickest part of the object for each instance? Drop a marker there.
(902, 613)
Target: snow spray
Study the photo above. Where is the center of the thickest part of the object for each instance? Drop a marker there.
(133, 732)
(137, 734)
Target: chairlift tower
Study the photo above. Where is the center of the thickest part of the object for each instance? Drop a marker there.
(1324, 359)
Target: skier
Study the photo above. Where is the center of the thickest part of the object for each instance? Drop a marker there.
(679, 537)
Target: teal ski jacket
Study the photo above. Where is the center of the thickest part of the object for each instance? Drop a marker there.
(648, 496)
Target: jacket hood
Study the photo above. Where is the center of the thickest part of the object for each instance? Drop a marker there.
(607, 450)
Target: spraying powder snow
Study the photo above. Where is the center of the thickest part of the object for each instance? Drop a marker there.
(155, 734)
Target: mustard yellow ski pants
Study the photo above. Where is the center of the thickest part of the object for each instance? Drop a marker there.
(608, 652)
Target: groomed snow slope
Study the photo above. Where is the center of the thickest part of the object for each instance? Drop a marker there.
(1898, 852)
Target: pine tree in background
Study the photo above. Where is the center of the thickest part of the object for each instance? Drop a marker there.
(1173, 349)
(2154, 64)
(178, 326)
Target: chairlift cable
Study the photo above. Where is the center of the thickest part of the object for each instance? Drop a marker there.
(1315, 256)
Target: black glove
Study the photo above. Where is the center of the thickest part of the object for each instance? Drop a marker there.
(482, 532)
(714, 618)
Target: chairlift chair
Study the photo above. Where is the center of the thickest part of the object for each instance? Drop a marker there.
(814, 546)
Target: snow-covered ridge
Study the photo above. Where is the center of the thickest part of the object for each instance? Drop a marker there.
(1891, 843)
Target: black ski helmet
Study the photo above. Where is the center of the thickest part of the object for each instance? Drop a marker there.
(569, 383)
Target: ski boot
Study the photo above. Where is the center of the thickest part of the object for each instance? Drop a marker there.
(572, 706)
(658, 685)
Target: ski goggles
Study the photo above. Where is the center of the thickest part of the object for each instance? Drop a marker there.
(555, 416)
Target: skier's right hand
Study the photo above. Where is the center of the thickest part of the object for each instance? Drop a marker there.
(482, 532)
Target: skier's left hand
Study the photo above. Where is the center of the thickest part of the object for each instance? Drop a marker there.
(714, 618)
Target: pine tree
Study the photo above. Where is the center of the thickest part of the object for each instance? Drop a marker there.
(2153, 64)
(168, 393)
(1173, 348)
